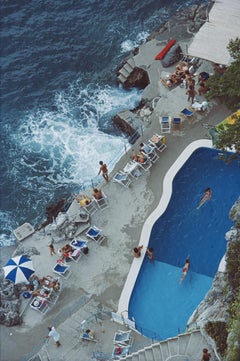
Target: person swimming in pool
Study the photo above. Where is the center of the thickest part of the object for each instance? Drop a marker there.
(206, 197)
(185, 269)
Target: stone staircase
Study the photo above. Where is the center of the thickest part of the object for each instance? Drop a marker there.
(126, 70)
(184, 347)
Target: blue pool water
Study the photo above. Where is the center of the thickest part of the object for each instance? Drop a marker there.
(159, 305)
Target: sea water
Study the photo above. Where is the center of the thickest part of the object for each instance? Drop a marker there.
(58, 95)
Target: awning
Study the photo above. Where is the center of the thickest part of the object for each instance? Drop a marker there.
(210, 43)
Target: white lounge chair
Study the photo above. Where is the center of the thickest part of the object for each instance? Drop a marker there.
(150, 152)
(123, 179)
(158, 142)
(123, 338)
(165, 124)
(102, 202)
(132, 168)
(91, 208)
(146, 165)
(120, 351)
(39, 304)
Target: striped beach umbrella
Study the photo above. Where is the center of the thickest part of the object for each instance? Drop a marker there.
(18, 269)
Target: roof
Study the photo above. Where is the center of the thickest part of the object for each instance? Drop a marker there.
(210, 43)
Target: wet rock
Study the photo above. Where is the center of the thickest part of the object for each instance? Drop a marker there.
(172, 56)
(27, 251)
(138, 78)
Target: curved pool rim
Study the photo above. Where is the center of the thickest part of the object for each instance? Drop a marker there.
(152, 218)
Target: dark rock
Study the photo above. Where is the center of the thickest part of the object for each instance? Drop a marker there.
(122, 124)
(138, 78)
(9, 303)
(172, 56)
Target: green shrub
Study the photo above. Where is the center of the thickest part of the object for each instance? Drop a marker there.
(218, 331)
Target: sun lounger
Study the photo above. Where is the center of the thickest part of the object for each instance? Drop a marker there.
(123, 179)
(149, 150)
(79, 244)
(87, 336)
(146, 165)
(165, 124)
(39, 304)
(188, 115)
(75, 255)
(52, 295)
(91, 208)
(62, 270)
(176, 124)
(158, 141)
(123, 338)
(132, 168)
(120, 351)
(102, 202)
(94, 233)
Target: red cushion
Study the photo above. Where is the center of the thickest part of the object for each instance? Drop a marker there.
(165, 50)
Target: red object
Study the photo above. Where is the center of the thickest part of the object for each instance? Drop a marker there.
(165, 50)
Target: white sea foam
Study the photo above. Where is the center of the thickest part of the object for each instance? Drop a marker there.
(59, 150)
(128, 44)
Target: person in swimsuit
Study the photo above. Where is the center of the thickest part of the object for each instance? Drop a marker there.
(103, 169)
(206, 197)
(185, 270)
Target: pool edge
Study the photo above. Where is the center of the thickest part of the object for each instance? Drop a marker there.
(147, 227)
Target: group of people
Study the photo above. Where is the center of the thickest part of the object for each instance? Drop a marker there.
(184, 75)
(41, 286)
(137, 252)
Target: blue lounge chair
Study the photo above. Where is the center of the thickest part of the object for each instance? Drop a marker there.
(177, 124)
(62, 270)
(187, 114)
(95, 234)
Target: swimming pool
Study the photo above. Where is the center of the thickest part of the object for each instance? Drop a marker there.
(159, 305)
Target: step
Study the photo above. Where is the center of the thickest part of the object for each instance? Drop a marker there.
(164, 349)
(141, 355)
(183, 341)
(121, 78)
(128, 68)
(131, 62)
(173, 346)
(149, 354)
(134, 357)
(157, 352)
(196, 344)
(124, 72)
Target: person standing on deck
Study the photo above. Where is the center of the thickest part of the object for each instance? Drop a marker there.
(54, 334)
(104, 170)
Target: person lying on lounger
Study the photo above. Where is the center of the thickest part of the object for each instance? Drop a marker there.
(206, 197)
(140, 157)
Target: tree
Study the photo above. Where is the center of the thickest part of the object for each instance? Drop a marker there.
(226, 87)
(229, 135)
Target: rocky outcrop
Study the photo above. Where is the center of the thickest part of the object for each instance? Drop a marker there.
(9, 303)
(172, 56)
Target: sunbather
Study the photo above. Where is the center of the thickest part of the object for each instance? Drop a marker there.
(97, 193)
(140, 158)
(83, 200)
(137, 251)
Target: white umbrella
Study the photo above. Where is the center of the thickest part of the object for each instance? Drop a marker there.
(18, 269)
